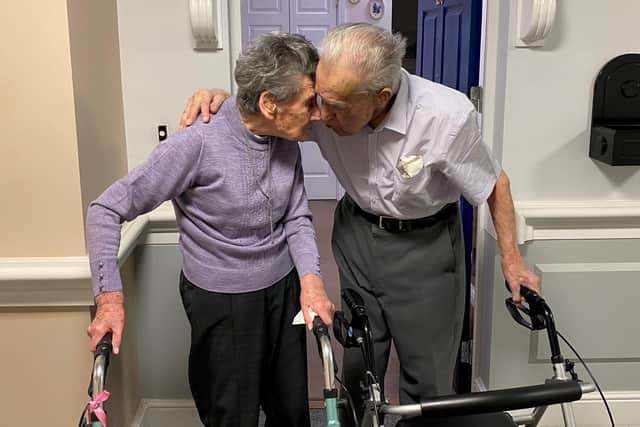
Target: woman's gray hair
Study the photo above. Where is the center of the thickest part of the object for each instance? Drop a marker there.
(274, 62)
(376, 53)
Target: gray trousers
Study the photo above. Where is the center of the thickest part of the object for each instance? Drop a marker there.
(412, 284)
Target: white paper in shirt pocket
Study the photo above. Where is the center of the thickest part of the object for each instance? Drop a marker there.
(410, 165)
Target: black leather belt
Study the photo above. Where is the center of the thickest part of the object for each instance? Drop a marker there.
(395, 225)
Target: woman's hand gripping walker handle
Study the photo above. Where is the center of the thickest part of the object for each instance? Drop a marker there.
(321, 331)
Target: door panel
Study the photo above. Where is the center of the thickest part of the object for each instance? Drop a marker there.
(263, 16)
(453, 49)
(429, 49)
(313, 18)
(449, 42)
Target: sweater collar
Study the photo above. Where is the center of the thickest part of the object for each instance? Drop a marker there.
(230, 110)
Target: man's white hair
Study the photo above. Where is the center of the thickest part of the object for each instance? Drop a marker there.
(375, 53)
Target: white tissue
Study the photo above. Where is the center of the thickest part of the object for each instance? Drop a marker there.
(299, 319)
(410, 165)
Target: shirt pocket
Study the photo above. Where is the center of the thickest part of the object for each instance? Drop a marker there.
(411, 192)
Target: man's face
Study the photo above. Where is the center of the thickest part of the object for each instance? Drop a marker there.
(343, 107)
(293, 118)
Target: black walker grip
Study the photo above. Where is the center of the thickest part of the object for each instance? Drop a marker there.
(530, 296)
(104, 346)
(319, 327)
(354, 302)
(502, 400)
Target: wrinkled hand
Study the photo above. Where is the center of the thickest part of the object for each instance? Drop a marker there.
(314, 296)
(517, 274)
(109, 318)
(204, 101)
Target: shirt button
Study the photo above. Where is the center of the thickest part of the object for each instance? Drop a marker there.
(101, 264)
(101, 288)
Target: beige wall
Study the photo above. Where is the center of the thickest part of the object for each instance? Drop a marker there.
(39, 177)
(63, 142)
(62, 121)
(95, 60)
(44, 366)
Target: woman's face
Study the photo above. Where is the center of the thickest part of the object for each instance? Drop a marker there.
(293, 118)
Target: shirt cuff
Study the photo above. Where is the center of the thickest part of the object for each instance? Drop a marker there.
(105, 276)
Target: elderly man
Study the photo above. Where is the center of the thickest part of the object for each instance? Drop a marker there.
(250, 260)
(404, 149)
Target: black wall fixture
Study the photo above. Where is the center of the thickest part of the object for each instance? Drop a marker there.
(615, 124)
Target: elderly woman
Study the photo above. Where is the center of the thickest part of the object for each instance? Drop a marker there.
(250, 260)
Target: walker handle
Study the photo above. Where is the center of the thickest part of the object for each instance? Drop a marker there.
(503, 400)
(354, 301)
(494, 400)
(100, 365)
(532, 309)
(104, 347)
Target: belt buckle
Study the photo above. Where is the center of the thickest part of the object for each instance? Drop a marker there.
(397, 225)
(381, 219)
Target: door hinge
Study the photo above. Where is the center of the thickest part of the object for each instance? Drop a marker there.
(466, 351)
(476, 97)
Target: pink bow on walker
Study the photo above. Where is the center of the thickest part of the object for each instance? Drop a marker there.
(95, 408)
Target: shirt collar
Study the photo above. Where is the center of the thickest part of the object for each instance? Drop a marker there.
(396, 119)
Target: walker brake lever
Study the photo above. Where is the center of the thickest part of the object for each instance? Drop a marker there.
(534, 303)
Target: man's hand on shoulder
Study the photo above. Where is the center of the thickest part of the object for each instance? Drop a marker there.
(205, 102)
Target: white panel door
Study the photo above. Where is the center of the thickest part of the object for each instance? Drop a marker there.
(263, 16)
(312, 18)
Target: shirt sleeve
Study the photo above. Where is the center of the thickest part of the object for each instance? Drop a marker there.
(468, 162)
(168, 172)
(301, 236)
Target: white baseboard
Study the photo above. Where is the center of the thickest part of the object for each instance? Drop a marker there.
(166, 413)
(625, 407)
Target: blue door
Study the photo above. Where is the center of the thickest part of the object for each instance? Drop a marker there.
(449, 42)
(448, 52)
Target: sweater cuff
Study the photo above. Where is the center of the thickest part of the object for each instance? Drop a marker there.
(105, 276)
(307, 263)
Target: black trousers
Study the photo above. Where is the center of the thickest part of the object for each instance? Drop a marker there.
(245, 354)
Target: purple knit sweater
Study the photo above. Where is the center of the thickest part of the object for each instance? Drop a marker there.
(220, 178)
